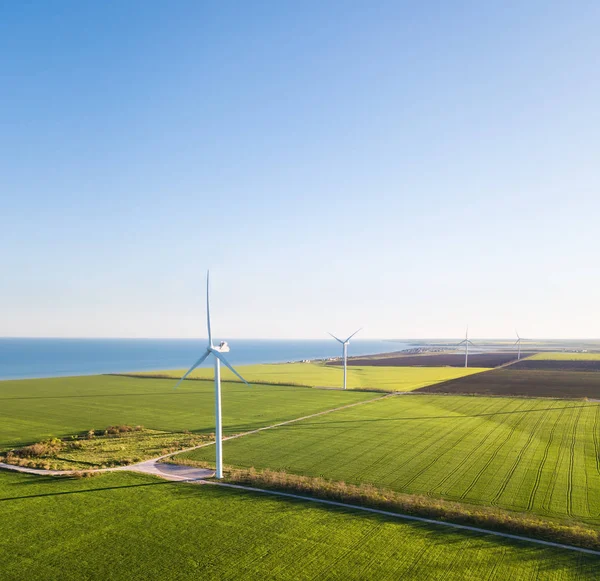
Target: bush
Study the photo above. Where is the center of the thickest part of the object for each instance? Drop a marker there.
(369, 496)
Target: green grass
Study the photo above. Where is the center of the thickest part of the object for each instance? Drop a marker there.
(531, 455)
(101, 450)
(566, 356)
(125, 526)
(320, 375)
(37, 409)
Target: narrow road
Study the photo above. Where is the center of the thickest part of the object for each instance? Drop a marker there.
(151, 466)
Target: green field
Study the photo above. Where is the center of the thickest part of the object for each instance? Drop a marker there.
(134, 527)
(536, 455)
(319, 375)
(567, 356)
(36, 409)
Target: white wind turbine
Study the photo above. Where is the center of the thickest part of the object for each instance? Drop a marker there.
(466, 343)
(518, 343)
(345, 350)
(217, 352)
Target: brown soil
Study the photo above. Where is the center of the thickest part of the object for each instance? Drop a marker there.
(558, 365)
(510, 381)
(436, 360)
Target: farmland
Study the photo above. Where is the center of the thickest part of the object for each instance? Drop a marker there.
(532, 455)
(516, 381)
(125, 526)
(320, 375)
(561, 362)
(565, 356)
(476, 360)
(37, 409)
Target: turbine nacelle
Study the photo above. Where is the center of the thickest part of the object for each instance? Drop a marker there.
(222, 347)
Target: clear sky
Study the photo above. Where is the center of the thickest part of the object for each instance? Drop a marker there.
(409, 167)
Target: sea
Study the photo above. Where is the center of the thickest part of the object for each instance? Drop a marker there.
(24, 358)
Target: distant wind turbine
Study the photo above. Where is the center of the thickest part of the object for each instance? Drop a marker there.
(466, 343)
(345, 350)
(217, 352)
(518, 343)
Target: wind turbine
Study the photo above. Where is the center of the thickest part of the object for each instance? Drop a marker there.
(217, 352)
(518, 343)
(345, 350)
(466, 343)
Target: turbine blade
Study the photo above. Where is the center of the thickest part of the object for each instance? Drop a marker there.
(201, 360)
(335, 337)
(224, 361)
(208, 308)
(348, 339)
(517, 334)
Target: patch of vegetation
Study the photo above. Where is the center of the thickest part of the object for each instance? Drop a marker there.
(39, 409)
(322, 375)
(73, 529)
(424, 506)
(565, 356)
(526, 455)
(114, 446)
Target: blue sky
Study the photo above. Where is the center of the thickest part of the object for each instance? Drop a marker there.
(409, 167)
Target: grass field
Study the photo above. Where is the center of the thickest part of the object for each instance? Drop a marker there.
(37, 409)
(521, 380)
(567, 356)
(102, 450)
(125, 526)
(320, 375)
(532, 455)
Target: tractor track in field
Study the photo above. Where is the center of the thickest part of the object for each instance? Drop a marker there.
(596, 445)
(400, 516)
(515, 464)
(491, 459)
(142, 466)
(540, 469)
(417, 439)
(429, 444)
(546, 505)
(436, 458)
(572, 465)
(466, 458)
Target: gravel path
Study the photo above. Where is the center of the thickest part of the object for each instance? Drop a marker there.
(151, 466)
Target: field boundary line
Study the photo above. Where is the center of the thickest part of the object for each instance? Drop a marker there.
(43, 472)
(279, 424)
(402, 516)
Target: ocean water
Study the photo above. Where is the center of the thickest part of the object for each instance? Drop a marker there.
(29, 358)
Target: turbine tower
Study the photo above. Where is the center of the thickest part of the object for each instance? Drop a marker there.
(345, 350)
(518, 343)
(217, 352)
(466, 343)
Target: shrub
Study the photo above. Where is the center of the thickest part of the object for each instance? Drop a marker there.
(369, 496)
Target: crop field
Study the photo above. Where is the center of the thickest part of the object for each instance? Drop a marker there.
(561, 356)
(126, 526)
(561, 362)
(517, 381)
(531, 455)
(476, 360)
(37, 409)
(320, 375)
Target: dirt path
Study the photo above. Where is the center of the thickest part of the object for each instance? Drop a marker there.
(177, 472)
(151, 466)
